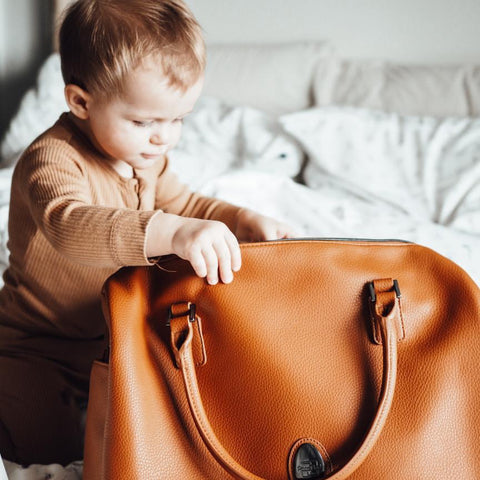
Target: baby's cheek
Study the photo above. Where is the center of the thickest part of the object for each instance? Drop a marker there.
(177, 133)
(128, 139)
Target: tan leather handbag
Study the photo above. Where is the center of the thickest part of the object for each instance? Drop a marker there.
(323, 359)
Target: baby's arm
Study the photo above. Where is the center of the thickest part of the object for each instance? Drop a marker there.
(51, 186)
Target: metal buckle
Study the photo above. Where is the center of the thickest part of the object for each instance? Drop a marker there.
(373, 295)
(192, 309)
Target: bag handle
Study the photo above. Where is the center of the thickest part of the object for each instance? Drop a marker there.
(386, 319)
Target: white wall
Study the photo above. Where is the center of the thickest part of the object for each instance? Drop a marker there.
(434, 31)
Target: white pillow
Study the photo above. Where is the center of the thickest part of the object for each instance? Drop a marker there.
(276, 78)
(427, 167)
(433, 90)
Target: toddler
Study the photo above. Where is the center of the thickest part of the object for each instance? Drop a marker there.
(95, 193)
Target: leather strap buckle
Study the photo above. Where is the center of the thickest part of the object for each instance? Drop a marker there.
(191, 312)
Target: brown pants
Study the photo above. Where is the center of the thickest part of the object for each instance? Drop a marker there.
(42, 411)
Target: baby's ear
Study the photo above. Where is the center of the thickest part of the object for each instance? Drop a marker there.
(78, 100)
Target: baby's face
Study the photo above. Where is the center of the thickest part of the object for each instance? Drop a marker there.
(140, 126)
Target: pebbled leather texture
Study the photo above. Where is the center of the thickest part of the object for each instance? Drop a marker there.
(291, 354)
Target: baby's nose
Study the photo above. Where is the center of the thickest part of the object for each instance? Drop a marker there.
(156, 139)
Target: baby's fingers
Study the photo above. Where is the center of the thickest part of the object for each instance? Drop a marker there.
(234, 249)
(212, 264)
(224, 261)
(228, 256)
(198, 263)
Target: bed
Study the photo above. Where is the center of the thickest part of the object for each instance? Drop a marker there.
(335, 147)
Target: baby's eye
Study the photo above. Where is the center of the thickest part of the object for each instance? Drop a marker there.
(139, 123)
(179, 120)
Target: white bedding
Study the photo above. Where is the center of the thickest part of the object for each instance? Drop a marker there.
(368, 175)
(339, 211)
(43, 472)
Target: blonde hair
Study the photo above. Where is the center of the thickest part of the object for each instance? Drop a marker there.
(101, 41)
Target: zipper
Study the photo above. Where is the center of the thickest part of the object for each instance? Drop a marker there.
(340, 239)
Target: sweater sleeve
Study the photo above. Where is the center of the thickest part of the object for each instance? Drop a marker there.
(174, 197)
(59, 198)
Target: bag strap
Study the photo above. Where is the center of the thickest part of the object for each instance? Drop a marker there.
(386, 316)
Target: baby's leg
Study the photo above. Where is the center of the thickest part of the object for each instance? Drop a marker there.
(42, 409)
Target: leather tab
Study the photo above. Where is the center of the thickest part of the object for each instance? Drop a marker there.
(385, 303)
(181, 321)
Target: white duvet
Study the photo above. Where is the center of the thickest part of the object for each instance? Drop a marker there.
(367, 175)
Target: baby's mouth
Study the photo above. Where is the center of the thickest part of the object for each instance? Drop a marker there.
(151, 156)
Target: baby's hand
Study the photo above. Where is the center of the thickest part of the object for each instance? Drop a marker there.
(253, 227)
(209, 246)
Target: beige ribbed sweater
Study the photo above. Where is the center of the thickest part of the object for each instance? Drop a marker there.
(73, 222)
